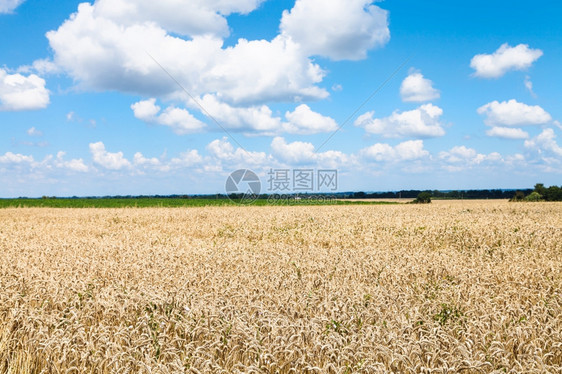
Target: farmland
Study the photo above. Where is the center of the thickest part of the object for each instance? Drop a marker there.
(151, 202)
(452, 286)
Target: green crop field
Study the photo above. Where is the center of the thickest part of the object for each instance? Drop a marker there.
(163, 203)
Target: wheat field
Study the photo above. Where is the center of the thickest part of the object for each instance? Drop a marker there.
(471, 287)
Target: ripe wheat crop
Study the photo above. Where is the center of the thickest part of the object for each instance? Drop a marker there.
(472, 287)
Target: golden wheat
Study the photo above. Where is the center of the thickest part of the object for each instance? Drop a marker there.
(467, 287)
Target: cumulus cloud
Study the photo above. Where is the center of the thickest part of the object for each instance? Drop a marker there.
(34, 132)
(304, 153)
(513, 113)
(506, 58)
(108, 160)
(187, 159)
(406, 151)
(422, 122)
(19, 92)
(459, 153)
(190, 18)
(179, 120)
(256, 119)
(545, 142)
(507, 133)
(139, 159)
(222, 150)
(15, 158)
(337, 29)
(462, 156)
(8, 6)
(103, 52)
(296, 152)
(141, 164)
(73, 165)
(305, 121)
(416, 88)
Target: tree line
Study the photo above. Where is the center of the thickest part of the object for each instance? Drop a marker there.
(540, 193)
(436, 194)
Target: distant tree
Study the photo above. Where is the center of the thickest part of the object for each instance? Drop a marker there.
(519, 196)
(540, 189)
(534, 196)
(423, 198)
(553, 193)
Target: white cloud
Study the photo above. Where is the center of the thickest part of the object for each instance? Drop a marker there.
(337, 87)
(257, 118)
(187, 159)
(34, 132)
(145, 110)
(221, 148)
(513, 113)
(380, 152)
(223, 151)
(15, 158)
(460, 157)
(494, 156)
(298, 153)
(142, 163)
(18, 92)
(545, 142)
(405, 151)
(305, 121)
(458, 154)
(179, 120)
(338, 29)
(334, 159)
(111, 161)
(420, 122)
(411, 150)
(294, 153)
(529, 86)
(139, 159)
(102, 52)
(516, 160)
(260, 120)
(507, 133)
(190, 18)
(258, 71)
(8, 6)
(73, 165)
(506, 58)
(41, 66)
(417, 88)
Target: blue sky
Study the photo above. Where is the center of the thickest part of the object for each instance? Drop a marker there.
(88, 107)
